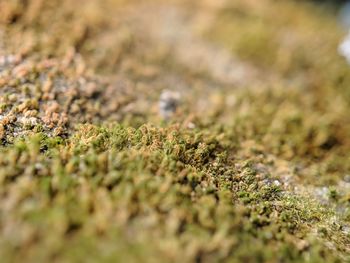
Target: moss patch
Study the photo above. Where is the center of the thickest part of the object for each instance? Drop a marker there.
(252, 166)
(127, 187)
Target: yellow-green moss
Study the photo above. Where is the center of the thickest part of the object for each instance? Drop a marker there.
(164, 193)
(253, 165)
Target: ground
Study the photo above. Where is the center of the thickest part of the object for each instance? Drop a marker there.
(249, 163)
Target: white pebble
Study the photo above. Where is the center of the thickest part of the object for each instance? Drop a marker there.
(344, 48)
(168, 103)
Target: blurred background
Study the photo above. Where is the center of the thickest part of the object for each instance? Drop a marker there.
(274, 70)
(277, 63)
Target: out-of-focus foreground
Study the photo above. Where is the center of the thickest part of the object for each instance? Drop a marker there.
(200, 131)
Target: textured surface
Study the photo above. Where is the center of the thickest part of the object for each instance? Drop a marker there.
(168, 131)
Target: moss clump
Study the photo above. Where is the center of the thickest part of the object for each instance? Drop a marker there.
(111, 191)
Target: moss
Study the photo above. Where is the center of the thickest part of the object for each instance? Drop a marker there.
(251, 166)
(137, 181)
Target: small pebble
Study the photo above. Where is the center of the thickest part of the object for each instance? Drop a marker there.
(277, 183)
(344, 48)
(168, 103)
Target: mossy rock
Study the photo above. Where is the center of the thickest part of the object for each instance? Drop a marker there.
(252, 165)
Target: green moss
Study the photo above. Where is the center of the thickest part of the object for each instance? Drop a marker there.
(146, 182)
(252, 166)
